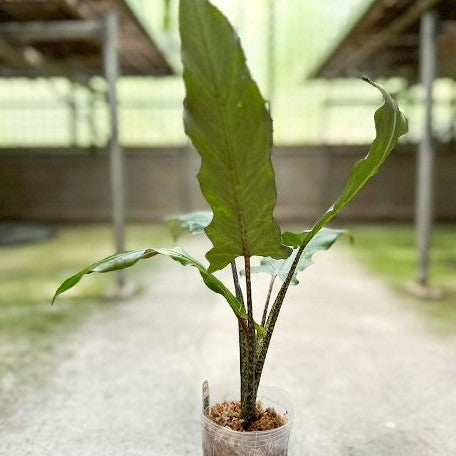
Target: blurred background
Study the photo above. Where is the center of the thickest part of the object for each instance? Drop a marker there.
(298, 52)
(74, 169)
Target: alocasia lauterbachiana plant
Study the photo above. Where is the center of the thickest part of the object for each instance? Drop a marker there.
(229, 124)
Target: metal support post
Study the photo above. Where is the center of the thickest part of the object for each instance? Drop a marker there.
(91, 119)
(271, 77)
(111, 70)
(52, 31)
(72, 114)
(19, 53)
(425, 162)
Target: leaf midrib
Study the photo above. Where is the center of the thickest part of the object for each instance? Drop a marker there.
(227, 136)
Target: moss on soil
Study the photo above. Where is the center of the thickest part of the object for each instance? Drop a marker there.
(228, 414)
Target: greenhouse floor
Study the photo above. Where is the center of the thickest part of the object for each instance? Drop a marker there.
(368, 374)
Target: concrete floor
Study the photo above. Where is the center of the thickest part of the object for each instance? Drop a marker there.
(369, 376)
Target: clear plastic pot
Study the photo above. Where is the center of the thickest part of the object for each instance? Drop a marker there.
(221, 441)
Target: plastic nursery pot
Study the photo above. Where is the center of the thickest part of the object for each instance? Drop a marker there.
(222, 441)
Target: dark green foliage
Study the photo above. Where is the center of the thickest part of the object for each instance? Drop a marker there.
(227, 120)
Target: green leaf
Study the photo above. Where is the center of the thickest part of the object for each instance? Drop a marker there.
(127, 259)
(323, 240)
(111, 263)
(194, 222)
(296, 239)
(226, 118)
(390, 125)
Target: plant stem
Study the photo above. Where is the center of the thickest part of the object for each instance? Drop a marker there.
(248, 400)
(266, 305)
(272, 318)
(237, 285)
(248, 288)
(242, 333)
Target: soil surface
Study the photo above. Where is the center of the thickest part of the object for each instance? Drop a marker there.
(369, 374)
(228, 414)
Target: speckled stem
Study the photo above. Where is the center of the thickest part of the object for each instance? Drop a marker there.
(243, 343)
(248, 399)
(263, 346)
(266, 305)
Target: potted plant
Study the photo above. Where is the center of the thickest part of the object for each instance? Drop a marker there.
(229, 124)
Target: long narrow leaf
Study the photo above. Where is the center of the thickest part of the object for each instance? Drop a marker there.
(127, 259)
(226, 118)
(390, 125)
(111, 263)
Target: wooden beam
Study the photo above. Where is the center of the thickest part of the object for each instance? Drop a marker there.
(28, 58)
(52, 31)
(325, 66)
(11, 54)
(447, 26)
(409, 40)
(389, 34)
(405, 40)
(87, 10)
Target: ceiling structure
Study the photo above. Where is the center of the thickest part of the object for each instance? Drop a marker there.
(78, 39)
(36, 54)
(385, 41)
